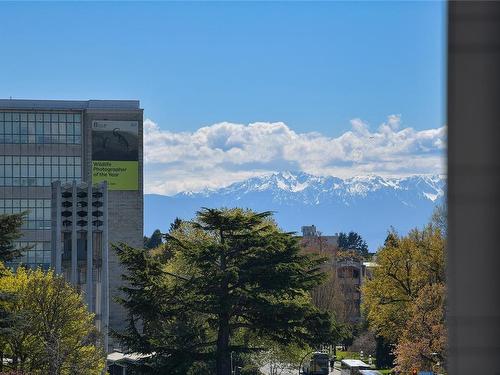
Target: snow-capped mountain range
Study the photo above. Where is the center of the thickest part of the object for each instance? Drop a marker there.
(369, 205)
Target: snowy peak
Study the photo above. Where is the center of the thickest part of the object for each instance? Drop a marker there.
(369, 205)
(302, 187)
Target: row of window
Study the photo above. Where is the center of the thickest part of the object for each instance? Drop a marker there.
(38, 211)
(38, 255)
(46, 160)
(38, 170)
(25, 203)
(34, 128)
(40, 139)
(40, 116)
(32, 181)
(43, 128)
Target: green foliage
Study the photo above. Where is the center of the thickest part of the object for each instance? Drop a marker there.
(231, 276)
(54, 333)
(342, 354)
(175, 225)
(9, 232)
(423, 341)
(154, 241)
(354, 242)
(384, 357)
(404, 301)
(405, 265)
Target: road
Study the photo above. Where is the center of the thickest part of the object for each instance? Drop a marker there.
(267, 371)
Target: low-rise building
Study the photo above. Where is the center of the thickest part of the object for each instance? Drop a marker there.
(349, 269)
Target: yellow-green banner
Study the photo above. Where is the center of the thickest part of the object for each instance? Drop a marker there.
(121, 175)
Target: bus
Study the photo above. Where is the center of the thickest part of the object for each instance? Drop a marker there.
(353, 367)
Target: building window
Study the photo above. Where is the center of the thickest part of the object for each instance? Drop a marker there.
(40, 128)
(37, 255)
(39, 211)
(39, 170)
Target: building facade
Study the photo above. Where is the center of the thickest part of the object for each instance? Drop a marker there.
(349, 269)
(42, 141)
(80, 249)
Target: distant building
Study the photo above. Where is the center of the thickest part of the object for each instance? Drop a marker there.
(351, 272)
(350, 277)
(312, 237)
(309, 231)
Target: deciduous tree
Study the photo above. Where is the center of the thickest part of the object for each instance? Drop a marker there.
(423, 340)
(405, 265)
(54, 333)
(10, 226)
(404, 301)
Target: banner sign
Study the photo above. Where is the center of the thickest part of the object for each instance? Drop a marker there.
(115, 154)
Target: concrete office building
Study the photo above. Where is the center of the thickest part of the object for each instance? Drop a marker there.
(42, 141)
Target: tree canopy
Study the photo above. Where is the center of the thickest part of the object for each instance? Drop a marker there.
(231, 275)
(354, 242)
(404, 301)
(10, 225)
(9, 232)
(423, 340)
(154, 241)
(54, 333)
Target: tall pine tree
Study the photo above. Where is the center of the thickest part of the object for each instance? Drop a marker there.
(231, 274)
(10, 226)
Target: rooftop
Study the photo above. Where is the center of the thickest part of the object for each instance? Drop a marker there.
(28, 104)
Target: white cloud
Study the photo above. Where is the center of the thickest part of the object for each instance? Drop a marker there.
(217, 155)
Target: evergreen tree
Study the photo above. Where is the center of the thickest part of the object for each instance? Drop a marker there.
(175, 225)
(154, 241)
(392, 239)
(354, 242)
(9, 232)
(232, 274)
(384, 356)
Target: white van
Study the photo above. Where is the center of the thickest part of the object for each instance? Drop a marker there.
(352, 366)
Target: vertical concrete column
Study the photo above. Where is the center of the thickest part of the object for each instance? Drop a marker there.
(473, 312)
(57, 246)
(105, 266)
(74, 250)
(90, 263)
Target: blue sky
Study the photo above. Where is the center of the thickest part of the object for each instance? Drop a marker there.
(312, 66)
